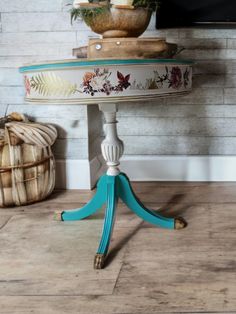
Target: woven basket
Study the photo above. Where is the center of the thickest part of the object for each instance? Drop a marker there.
(27, 165)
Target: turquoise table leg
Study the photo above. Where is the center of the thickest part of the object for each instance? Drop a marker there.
(109, 189)
(94, 205)
(108, 222)
(127, 195)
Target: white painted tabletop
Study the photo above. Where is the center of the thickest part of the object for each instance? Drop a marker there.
(83, 81)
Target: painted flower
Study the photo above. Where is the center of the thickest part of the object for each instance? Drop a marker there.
(107, 88)
(186, 78)
(97, 82)
(175, 80)
(88, 76)
(27, 85)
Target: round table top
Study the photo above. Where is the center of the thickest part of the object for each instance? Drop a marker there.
(89, 81)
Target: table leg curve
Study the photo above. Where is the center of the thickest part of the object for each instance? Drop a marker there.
(128, 196)
(94, 205)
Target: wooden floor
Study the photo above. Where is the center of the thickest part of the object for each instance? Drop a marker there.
(46, 267)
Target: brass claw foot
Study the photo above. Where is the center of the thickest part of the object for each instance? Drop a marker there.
(99, 261)
(180, 223)
(58, 215)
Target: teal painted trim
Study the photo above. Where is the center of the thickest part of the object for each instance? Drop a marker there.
(109, 216)
(72, 64)
(94, 205)
(127, 195)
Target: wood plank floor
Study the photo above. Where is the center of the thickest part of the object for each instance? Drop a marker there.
(46, 267)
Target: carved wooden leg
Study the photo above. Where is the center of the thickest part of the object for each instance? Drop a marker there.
(94, 205)
(127, 195)
(108, 223)
(112, 147)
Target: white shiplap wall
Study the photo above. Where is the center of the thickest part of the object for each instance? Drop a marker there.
(202, 123)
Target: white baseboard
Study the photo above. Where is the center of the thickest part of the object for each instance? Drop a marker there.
(180, 168)
(83, 174)
(78, 174)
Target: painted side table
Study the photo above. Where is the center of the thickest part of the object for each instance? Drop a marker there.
(107, 83)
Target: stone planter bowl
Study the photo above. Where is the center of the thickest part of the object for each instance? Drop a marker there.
(120, 22)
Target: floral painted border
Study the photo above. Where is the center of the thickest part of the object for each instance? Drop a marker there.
(173, 78)
(99, 81)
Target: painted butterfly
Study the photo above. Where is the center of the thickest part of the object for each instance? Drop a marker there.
(123, 80)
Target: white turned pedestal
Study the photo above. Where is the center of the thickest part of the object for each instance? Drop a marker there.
(112, 147)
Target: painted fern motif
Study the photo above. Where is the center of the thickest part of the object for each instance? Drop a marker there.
(49, 84)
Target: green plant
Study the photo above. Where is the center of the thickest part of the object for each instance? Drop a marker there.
(150, 4)
(87, 13)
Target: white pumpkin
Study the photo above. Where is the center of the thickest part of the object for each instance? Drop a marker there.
(76, 3)
(122, 2)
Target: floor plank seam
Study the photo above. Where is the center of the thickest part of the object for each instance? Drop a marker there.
(5, 223)
(118, 276)
(123, 262)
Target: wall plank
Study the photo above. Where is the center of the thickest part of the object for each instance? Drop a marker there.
(212, 80)
(153, 126)
(36, 49)
(30, 6)
(73, 126)
(3, 110)
(179, 145)
(11, 94)
(224, 67)
(213, 54)
(71, 149)
(213, 95)
(32, 22)
(230, 95)
(10, 77)
(176, 111)
(38, 38)
(202, 43)
(207, 33)
(17, 61)
(70, 128)
(47, 111)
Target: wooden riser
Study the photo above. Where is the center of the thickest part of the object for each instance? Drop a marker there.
(141, 48)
